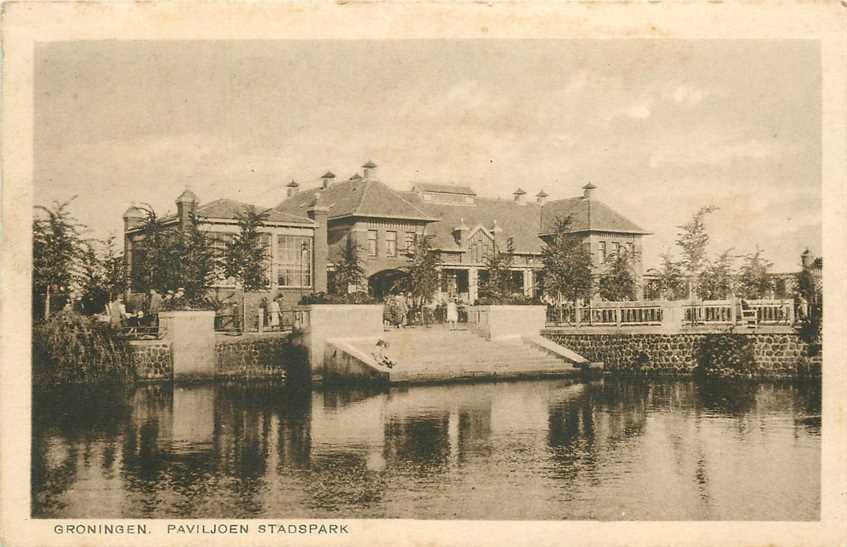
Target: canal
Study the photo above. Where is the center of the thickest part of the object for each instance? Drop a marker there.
(553, 449)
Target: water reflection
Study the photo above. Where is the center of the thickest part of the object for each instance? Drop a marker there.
(541, 450)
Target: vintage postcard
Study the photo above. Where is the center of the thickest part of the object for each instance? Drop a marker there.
(423, 274)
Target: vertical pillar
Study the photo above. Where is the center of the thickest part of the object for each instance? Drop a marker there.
(473, 284)
(528, 288)
(319, 213)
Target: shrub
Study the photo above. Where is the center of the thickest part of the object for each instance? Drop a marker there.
(71, 348)
(348, 298)
(513, 300)
(725, 354)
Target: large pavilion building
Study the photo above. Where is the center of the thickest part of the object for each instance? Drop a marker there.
(308, 231)
(383, 223)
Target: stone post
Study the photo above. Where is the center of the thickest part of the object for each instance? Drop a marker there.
(473, 285)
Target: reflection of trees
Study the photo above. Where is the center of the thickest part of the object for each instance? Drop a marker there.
(726, 397)
(420, 443)
(582, 429)
(78, 417)
(474, 432)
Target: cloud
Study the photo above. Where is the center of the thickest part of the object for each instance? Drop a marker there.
(689, 94)
(719, 151)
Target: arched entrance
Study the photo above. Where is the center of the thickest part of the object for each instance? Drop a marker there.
(384, 282)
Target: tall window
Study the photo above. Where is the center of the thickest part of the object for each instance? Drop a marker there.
(602, 251)
(371, 242)
(411, 238)
(294, 261)
(617, 247)
(390, 243)
(630, 249)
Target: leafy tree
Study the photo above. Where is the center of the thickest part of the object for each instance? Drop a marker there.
(566, 264)
(348, 270)
(245, 256)
(421, 274)
(671, 279)
(617, 282)
(57, 248)
(499, 284)
(754, 280)
(716, 280)
(174, 259)
(693, 241)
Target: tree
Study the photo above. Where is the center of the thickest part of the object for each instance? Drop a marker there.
(693, 241)
(715, 282)
(566, 264)
(617, 282)
(499, 284)
(671, 279)
(57, 248)
(754, 280)
(174, 259)
(421, 274)
(348, 270)
(245, 256)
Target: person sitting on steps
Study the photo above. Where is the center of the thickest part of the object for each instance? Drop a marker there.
(380, 356)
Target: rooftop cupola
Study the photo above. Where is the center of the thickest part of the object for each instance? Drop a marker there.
(356, 176)
(460, 233)
(291, 188)
(587, 190)
(369, 170)
(805, 259)
(541, 197)
(133, 217)
(326, 179)
(519, 196)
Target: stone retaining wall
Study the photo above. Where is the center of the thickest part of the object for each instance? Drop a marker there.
(774, 354)
(151, 359)
(251, 356)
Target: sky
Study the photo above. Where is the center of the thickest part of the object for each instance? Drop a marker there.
(661, 127)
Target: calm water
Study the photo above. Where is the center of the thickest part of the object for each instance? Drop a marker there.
(555, 449)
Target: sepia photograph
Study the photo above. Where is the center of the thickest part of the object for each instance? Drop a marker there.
(314, 281)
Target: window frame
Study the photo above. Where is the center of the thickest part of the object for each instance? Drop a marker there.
(373, 249)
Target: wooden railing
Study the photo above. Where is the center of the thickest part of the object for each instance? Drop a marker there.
(607, 314)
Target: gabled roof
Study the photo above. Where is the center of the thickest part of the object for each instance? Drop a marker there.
(356, 198)
(520, 222)
(230, 209)
(443, 188)
(585, 215)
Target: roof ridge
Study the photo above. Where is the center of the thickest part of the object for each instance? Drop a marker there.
(362, 195)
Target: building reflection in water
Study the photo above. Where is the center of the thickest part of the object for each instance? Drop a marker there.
(261, 450)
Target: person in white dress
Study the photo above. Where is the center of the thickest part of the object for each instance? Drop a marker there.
(452, 314)
(274, 314)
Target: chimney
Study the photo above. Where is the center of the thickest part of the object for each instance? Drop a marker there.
(496, 230)
(460, 232)
(319, 213)
(186, 205)
(588, 189)
(804, 259)
(291, 188)
(541, 197)
(519, 194)
(133, 217)
(369, 170)
(326, 179)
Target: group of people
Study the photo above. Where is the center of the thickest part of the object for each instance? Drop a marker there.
(270, 313)
(116, 314)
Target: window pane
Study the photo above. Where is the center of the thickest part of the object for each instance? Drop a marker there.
(371, 242)
(294, 261)
(391, 243)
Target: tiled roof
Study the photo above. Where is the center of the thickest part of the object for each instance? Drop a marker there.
(229, 209)
(587, 214)
(443, 188)
(520, 222)
(358, 197)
